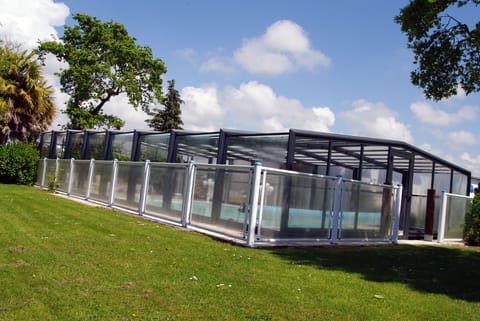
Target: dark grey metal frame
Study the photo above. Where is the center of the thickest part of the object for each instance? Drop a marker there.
(314, 149)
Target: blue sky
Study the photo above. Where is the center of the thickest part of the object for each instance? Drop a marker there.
(269, 65)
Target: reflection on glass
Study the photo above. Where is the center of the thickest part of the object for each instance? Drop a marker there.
(45, 148)
(165, 192)
(76, 145)
(220, 198)
(80, 177)
(202, 148)
(101, 181)
(457, 207)
(121, 148)
(63, 175)
(270, 150)
(96, 143)
(60, 140)
(128, 184)
(154, 147)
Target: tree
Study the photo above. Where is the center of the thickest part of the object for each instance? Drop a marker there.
(26, 101)
(471, 229)
(103, 62)
(169, 117)
(446, 50)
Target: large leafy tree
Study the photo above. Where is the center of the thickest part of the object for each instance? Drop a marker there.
(170, 116)
(103, 61)
(446, 50)
(26, 101)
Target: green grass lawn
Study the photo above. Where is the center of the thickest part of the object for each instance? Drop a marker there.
(61, 260)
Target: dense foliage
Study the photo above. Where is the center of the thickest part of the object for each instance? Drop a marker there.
(170, 116)
(103, 61)
(446, 50)
(26, 101)
(472, 222)
(18, 163)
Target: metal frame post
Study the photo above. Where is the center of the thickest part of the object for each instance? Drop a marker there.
(113, 182)
(44, 173)
(262, 203)
(442, 218)
(91, 168)
(337, 207)
(397, 205)
(188, 190)
(57, 169)
(257, 171)
(144, 188)
(70, 177)
(247, 204)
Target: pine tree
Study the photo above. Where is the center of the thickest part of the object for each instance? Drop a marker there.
(169, 117)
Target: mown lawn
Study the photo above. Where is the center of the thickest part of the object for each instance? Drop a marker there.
(61, 260)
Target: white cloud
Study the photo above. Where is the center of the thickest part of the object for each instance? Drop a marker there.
(120, 107)
(284, 47)
(461, 94)
(375, 120)
(28, 21)
(252, 106)
(461, 137)
(217, 64)
(188, 54)
(256, 106)
(434, 116)
(471, 162)
(429, 148)
(201, 110)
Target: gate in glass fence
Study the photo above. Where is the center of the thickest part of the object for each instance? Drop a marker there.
(249, 204)
(452, 217)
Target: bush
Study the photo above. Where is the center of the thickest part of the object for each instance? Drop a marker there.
(18, 163)
(472, 221)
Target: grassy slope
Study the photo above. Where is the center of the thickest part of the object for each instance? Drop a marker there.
(60, 260)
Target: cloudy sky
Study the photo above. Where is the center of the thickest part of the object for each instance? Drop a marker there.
(269, 65)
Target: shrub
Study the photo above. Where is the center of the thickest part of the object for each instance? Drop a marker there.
(472, 221)
(18, 163)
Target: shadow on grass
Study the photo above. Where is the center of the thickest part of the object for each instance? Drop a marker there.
(454, 272)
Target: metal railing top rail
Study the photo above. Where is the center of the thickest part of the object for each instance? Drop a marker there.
(333, 178)
(223, 166)
(458, 195)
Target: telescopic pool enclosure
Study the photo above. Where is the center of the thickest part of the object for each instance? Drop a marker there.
(297, 185)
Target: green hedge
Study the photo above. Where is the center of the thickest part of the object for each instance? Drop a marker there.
(472, 221)
(18, 163)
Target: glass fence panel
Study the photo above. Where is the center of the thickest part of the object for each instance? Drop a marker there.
(50, 176)
(417, 213)
(437, 212)
(101, 181)
(220, 197)
(457, 207)
(296, 206)
(80, 177)
(63, 175)
(128, 184)
(39, 172)
(366, 211)
(165, 191)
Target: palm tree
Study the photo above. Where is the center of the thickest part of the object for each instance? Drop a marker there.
(26, 101)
